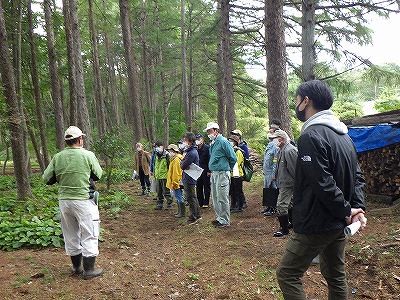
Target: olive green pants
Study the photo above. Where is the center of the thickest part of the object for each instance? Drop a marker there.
(300, 251)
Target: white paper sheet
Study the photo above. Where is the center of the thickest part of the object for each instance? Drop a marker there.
(351, 229)
(194, 171)
(235, 171)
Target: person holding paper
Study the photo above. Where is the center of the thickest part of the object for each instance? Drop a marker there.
(328, 194)
(236, 186)
(203, 187)
(189, 183)
(222, 161)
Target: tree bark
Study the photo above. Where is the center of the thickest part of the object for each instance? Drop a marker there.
(98, 89)
(308, 40)
(14, 113)
(35, 145)
(184, 79)
(277, 85)
(220, 90)
(227, 66)
(36, 88)
(133, 92)
(73, 104)
(55, 83)
(83, 112)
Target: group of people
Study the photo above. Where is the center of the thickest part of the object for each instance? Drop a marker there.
(317, 188)
(221, 163)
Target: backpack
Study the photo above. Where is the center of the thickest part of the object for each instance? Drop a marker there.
(247, 170)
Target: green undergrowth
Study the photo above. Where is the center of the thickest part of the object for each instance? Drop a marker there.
(35, 222)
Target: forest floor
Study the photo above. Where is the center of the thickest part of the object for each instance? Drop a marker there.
(149, 254)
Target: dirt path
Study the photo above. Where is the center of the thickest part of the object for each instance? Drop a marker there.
(150, 255)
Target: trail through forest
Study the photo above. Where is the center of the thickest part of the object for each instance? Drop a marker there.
(149, 254)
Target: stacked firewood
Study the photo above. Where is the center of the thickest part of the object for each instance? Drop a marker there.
(381, 169)
(256, 160)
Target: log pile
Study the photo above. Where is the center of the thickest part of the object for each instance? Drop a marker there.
(381, 169)
(256, 161)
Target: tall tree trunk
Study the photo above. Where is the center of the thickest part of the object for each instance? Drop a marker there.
(6, 158)
(112, 81)
(14, 113)
(275, 46)
(55, 84)
(133, 92)
(17, 59)
(83, 112)
(73, 104)
(98, 93)
(192, 106)
(35, 145)
(308, 40)
(227, 66)
(146, 67)
(220, 90)
(36, 87)
(184, 79)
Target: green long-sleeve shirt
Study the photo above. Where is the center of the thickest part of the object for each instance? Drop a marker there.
(72, 168)
(222, 156)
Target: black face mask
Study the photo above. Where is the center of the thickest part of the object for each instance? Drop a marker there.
(301, 115)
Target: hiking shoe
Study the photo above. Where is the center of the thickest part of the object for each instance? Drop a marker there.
(280, 233)
(219, 225)
(214, 223)
(192, 221)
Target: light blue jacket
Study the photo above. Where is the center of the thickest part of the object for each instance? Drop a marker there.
(270, 164)
(222, 155)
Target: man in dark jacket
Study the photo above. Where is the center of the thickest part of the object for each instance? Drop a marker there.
(203, 186)
(328, 195)
(189, 184)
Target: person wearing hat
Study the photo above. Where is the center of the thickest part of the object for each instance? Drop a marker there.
(222, 161)
(189, 184)
(73, 168)
(142, 162)
(285, 172)
(242, 143)
(203, 187)
(270, 189)
(236, 186)
(174, 178)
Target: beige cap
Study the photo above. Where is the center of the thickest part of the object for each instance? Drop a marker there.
(73, 132)
(211, 125)
(234, 138)
(173, 147)
(237, 132)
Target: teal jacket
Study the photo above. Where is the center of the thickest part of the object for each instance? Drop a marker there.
(222, 155)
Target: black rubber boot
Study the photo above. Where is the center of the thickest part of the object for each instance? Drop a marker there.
(182, 210)
(76, 264)
(179, 212)
(284, 222)
(264, 198)
(89, 271)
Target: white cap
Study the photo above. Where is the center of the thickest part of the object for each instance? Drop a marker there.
(211, 125)
(73, 132)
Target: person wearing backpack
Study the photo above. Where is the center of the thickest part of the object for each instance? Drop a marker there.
(174, 178)
(236, 187)
(285, 174)
(161, 164)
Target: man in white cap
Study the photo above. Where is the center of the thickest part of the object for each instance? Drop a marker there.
(74, 168)
(222, 161)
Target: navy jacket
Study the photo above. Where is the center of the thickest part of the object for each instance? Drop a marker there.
(191, 157)
(204, 157)
(245, 148)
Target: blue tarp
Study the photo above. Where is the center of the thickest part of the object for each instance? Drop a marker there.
(374, 137)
